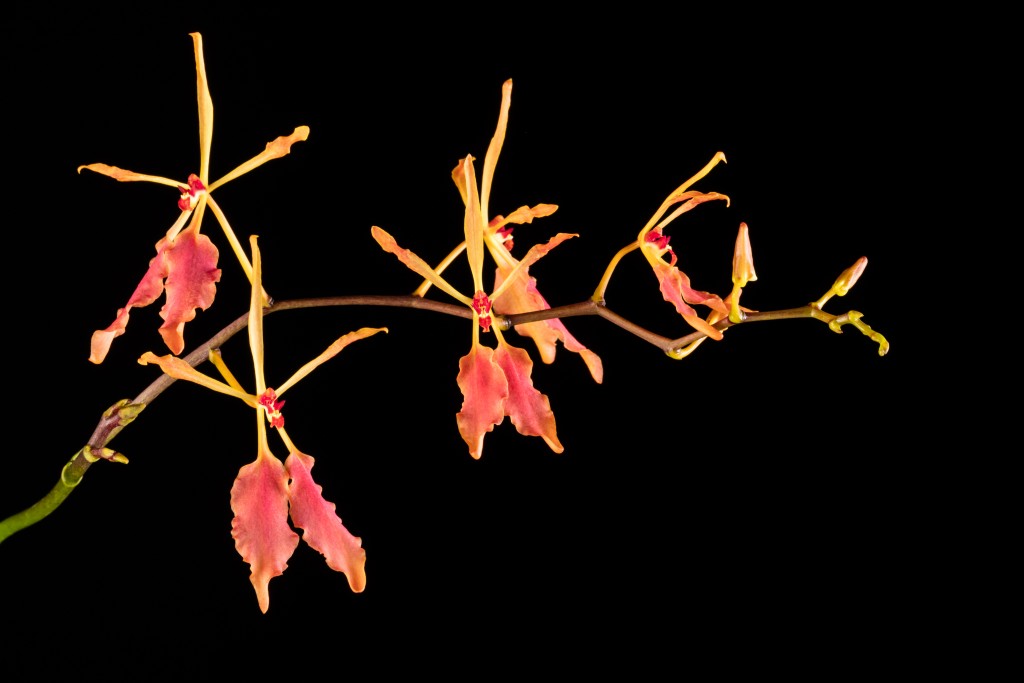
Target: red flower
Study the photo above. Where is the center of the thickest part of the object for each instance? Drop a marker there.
(185, 265)
(267, 492)
(520, 295)
(495, 382)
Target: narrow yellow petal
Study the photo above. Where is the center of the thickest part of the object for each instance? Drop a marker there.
(332, 351)
(124, 176)
(416, 264)
(447, 261)
(494, 149)
(673, 197)
(535, 253)
(474, 226)
(205, 110)
(236, 246)
(218, 362)
(276, 149)
(179, 369)
(256, 317)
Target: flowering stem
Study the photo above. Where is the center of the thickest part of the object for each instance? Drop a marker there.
(670, 346)
(124, 412)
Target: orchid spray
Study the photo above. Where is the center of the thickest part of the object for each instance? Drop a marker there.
(274, 498)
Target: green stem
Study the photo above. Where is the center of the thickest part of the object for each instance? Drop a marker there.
(69, 478)
(114, 419)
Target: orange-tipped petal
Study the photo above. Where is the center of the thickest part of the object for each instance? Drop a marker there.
(535, 253)
(146, 292)
(331, 351)
(675, 287)
(693, 199)
(259, 499)
(99, 346)
(526, 214)
(123, 176)
(321, 527)
(529, 410)
(192, 274)
(275, 149)
(681, 193)
(484, 390)
(415, 263)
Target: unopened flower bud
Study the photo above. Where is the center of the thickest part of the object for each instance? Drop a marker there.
(850, 276)
(743, 259)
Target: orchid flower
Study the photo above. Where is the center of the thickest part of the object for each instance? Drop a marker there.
(185, 265)
(654, 243)
(521, 294)
(495, 382)
(267, 491)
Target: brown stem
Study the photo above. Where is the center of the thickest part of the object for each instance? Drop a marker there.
(124, 412)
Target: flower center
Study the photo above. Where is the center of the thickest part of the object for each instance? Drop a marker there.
(482, 306)
(191, 193)
(660, 241)
(273, 407)
(505, 232)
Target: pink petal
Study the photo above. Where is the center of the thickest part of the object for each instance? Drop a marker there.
(592, 360)
(146, 292)
(675, 287)
(322, 528)
(259, 499)
(529, 410)
(522, 296)
(191, 276)
(484, 390)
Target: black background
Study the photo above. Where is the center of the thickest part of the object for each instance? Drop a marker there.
(748, 505)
